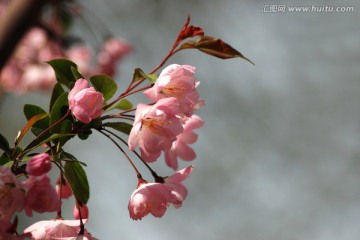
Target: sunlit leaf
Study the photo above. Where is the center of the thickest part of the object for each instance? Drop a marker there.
(31, 110)
(28, 125)
(139, 75)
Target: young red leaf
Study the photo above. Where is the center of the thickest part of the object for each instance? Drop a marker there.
(215, 47)
(189, 31)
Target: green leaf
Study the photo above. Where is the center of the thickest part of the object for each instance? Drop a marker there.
(119, 126)
(139, 74)
(76, 177)
(214, 47)
(4, 144)
(63, 73)
(57, 91)
(33, 120)
(105, 85)
(4, 159)
(58, 111)
(76, 73)
(44, 139)
(123, 104)
(33, 110)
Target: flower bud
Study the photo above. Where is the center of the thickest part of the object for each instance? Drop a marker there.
(85, 102)
(39, 164)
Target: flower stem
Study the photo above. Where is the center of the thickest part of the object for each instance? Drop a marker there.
(138, 174)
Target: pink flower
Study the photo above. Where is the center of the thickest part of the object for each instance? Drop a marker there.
(83, 210)
(57, 229)
(12, 196)
(39, 164)
(41, 196)
(154, 198)
(179, 191)
(155, 128)
(177, 81)
(63, 190)
(180, 146)
(85, 102)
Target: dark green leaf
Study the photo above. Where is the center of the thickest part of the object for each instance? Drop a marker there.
(119, 126)
(57, 91)
(46, 138)
(76, 177)
(58, 111)
(214, 47)
(32, 110)
(4, 144)
(105, 85)
(63, 73)
(4, 159)
(76, 73)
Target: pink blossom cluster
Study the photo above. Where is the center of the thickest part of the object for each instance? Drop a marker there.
(33, 194)
(27, 70)
(167, 125)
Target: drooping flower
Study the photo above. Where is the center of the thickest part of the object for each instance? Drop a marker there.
(63, 188)
(180, 148)
(39, 164)
(41, 196)
(177, 81)
(154, 198)
(12, 196)
(58, 229)
(179, 191)
(155, 128)
(85, 102)
(81, 210)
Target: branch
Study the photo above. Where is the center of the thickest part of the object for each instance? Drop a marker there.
(17, 19)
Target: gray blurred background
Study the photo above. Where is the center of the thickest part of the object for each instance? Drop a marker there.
(278, 157)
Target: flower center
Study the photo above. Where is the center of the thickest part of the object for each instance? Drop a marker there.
(174, 90)
(154, 125)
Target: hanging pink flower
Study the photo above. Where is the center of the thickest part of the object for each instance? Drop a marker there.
(155, 128)
(180, 148)
(177, 81)
(85, 102)
(179, 190)
(57, 229)
(41, 196)
(12, 196)
(63, 191)
(39, 164)
(84, 210)
(154, 198)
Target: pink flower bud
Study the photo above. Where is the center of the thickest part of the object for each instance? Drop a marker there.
(39, 164)
(83, 210)
(63, 189)
(85, 102)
